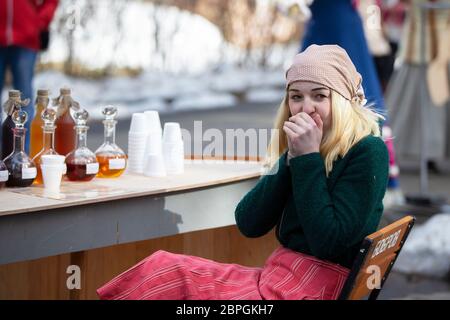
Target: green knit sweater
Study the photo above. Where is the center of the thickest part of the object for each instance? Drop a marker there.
(324, 217)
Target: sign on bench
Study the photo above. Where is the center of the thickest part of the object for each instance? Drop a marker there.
(375, 259)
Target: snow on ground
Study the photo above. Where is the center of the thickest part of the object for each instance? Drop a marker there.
(262, 95)
(427, 249)
(204, 101)
(167, 92)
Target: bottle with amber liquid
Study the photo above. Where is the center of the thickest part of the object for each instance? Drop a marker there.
(36, 132)
(22, 170)
(81, 163)
(112, 160)
(13, 103)
(65, 133)
(48, 117)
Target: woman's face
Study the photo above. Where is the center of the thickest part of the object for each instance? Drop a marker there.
(310, 98)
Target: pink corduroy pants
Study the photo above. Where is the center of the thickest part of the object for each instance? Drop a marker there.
(286, 275)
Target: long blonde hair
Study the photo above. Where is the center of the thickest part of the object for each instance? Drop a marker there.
(350, 122)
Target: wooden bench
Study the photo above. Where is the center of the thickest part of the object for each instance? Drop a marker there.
(375, 259)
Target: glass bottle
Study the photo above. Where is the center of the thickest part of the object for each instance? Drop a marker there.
(48, 117)
(36, 133)
(22, 170)
(112, 160)
(65, 133)
(81, 163)
(12, 104)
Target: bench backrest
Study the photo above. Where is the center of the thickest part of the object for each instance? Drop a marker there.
(375, 259)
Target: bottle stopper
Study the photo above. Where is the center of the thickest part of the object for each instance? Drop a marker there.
(81, 117)
(110, 112)
(48, 115)
(19, 117)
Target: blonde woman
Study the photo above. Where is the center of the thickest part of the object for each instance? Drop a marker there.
(323, 195)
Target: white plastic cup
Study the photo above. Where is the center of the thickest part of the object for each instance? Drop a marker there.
(138, 123)
(137, 143)
(153, 121)
(52, 176)
(154, 166)
(174, 157)
(172, 132)
(136, 150)
(154, 144)
(137, 136)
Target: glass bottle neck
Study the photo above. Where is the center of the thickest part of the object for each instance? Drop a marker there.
(19, 140)
(110, 131)
(81, 137)
(48, 138)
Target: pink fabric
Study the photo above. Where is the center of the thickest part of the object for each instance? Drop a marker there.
(286, 275)
(388, 140)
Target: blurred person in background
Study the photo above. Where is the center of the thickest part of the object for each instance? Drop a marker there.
(404, 93)
(338, 22)
(384, 21)
(23, 33)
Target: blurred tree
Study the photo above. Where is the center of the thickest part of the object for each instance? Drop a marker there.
(254, 26)
(116, 8)
(162, 32)
(69, 21)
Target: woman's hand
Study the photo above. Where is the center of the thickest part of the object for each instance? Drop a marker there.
(304, 134)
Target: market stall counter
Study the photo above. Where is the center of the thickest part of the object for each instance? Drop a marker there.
(104, 212)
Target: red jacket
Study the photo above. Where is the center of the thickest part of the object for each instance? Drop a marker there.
(21, 21)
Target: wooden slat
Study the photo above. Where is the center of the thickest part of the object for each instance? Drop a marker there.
(361, 288)
(401, 223)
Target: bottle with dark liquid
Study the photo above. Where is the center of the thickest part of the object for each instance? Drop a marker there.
(65, 133)
(48, 117)
(81, 163)
(36, 133)
(22, 170)
(112, 160)
(12, 104)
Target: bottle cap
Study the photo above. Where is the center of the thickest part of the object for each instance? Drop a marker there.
(43, 93)
(65, 91)
(14, 93)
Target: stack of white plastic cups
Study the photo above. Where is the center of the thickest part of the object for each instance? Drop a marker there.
(137, 143)
(173, 148)
(154, 160)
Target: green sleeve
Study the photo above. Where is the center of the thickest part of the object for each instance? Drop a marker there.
(260, 209)
(334, 222)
